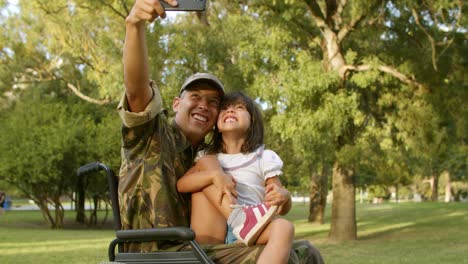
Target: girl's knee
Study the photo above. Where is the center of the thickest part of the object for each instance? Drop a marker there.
(284, 223)
(289, 227)
(284, 226)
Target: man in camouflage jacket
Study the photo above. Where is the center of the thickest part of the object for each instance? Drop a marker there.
(157, 151)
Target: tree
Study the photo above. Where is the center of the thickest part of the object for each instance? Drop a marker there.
(367, 58)
(45, 137)
(39, 143)
(75, 42)
(102, 144)
(334, 76)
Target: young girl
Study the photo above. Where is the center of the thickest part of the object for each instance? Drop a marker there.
(237, 151)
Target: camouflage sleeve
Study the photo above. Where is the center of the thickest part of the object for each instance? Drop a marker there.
(131, 119)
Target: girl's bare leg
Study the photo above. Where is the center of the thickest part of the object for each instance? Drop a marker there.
(212, 195)
(278, 237)
(207, 222)
(208, 218)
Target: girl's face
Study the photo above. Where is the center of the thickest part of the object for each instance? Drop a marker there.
(234, 118)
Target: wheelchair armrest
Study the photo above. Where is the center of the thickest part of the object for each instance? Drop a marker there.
(155, 234)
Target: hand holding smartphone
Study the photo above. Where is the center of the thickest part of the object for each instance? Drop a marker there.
(185, 5)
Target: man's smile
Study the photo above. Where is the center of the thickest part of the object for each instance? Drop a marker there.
(200, 118)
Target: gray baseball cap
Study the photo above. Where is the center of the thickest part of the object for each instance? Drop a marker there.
(203, 77)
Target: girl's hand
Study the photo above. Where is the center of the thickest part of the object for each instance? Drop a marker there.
(276, 195)
(226, 184)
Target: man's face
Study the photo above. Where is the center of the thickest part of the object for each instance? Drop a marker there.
(196, 110)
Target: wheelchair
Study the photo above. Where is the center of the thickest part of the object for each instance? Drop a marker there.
(115, 250)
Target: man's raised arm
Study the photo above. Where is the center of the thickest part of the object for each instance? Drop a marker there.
(135, 53)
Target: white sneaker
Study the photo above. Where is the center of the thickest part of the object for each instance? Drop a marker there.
(248, 221)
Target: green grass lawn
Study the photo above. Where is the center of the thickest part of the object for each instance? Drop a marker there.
(388, 233)
(26, 239)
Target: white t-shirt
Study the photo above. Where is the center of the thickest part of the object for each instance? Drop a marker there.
(250, 171)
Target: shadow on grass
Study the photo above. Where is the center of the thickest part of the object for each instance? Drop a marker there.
(389, 221)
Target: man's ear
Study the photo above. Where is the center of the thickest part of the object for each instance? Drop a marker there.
(175, 104)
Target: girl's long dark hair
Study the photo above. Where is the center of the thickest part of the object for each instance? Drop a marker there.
(254, 137)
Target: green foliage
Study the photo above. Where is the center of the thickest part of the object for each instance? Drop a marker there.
(44, 140)
(377, 123)
(376, 191)
(77, 42)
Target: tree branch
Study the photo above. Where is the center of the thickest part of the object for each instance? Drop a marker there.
(75, 90)
(344, 31)
(52, 12)
(447, 45)
(341, 5)
(85, 97)
(386, 69)
(334, 10)
(124, 5)
(429, 37)
(317, 14)
(113, 9)
(460, 14)
(43, 76)
(87, 62)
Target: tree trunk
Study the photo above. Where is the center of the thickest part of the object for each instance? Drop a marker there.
(333, 57)
(396, 193)
(343, 218)
(318, 195)
(104, 220)
(80, 203)
(46, 213)
(448, 188)
(59, 213)
(435, 187)
(93, 217)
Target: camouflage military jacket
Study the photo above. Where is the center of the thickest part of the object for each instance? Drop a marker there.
(155, 154)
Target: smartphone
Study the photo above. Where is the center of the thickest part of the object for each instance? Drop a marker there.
(185, 5)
